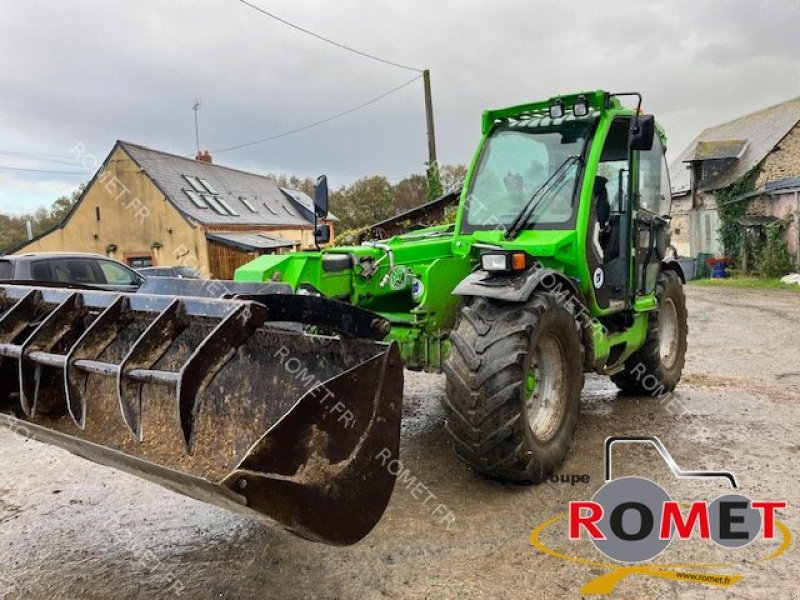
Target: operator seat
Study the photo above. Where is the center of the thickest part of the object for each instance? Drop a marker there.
(602, 209)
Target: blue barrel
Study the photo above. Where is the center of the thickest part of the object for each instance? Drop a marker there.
(718, 270)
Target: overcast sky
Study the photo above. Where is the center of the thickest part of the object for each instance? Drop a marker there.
(92, 72)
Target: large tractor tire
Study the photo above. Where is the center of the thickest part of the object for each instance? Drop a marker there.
(514, 379)
(656, 367)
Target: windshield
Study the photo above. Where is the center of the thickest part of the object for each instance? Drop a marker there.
(514, 164)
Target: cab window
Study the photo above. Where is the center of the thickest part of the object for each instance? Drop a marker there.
(654, 192)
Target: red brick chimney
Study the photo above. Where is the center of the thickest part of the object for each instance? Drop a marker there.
(204, 156)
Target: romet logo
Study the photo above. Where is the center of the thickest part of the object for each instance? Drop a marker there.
(632, 520)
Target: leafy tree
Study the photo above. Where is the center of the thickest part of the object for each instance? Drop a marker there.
(13, 228)
(410, 192)
(366, 201)
(292, 182)
(372, 199)
(452, 177)
(773, 259)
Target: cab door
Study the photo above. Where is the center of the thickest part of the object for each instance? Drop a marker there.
(651, 216)
(608, 246)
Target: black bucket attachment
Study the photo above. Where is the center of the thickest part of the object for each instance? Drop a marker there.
(212, 398)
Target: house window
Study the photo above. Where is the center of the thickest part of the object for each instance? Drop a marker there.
(203, 195)
(270, 209)
(207, 186)
(213, 203)
(196, 198)
(246, 202)
(137, 262)
(227, 206)
(97, 212)
(195, 183)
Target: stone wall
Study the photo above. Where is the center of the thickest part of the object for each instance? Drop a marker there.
(784, 161)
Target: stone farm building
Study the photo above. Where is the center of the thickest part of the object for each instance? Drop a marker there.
(146, 207)
(719, 157)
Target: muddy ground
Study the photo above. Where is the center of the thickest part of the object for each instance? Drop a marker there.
(72, 529)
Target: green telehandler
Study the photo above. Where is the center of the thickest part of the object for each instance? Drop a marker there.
(277, 399)
(558, 264)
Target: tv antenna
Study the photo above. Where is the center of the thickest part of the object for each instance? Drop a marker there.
(195, 108)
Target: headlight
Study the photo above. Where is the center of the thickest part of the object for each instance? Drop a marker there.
(505, 261)
(557, 109)
(581, 107)
(417, 289)
(494, 262)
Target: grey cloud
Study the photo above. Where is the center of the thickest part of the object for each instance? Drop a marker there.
(99, 70)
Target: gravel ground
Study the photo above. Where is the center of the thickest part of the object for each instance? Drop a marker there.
(69, 528)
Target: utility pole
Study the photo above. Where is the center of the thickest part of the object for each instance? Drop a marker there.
(195, 107)
(426, 78)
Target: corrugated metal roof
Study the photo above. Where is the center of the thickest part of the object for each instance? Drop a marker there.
(448, 198)
(762, 130)
(782, 184)
(251, 241)
(256, 199)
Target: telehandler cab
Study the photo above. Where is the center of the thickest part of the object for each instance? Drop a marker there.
(276, 405)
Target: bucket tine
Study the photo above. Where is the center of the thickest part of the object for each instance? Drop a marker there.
(16, 321)
(60, 327)
(145, 353)
(94, 341)
(209, 357)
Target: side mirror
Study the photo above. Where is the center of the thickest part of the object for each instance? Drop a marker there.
(321, 196)
(322, 234)
(642, 132)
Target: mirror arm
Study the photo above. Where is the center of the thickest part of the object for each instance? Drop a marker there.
(316, 240)
(635, 127)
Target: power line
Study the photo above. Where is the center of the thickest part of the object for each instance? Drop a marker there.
(328, 40)
(43, 171)
(38, 157)
(321, 121)
(44, 154)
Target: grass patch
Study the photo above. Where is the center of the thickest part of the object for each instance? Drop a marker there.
(745, 283)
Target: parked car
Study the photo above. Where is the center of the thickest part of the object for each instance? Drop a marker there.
(179, 272)
(70, 267)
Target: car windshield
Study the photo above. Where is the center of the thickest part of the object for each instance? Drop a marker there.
(514, 165)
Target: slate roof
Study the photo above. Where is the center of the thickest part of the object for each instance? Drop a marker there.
(239, 189)
(762, 130)
(718, 149)
(305, 204)
(251, 241)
